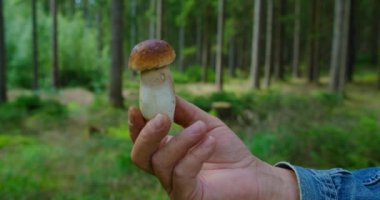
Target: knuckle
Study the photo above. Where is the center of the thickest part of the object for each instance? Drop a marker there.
(156, 160)
(179, 171)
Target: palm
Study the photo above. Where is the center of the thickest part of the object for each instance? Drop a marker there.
(225, 164)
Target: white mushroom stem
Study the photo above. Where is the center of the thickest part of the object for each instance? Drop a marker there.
(157, 93)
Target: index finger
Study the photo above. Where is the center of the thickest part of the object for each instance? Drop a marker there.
(187, 113)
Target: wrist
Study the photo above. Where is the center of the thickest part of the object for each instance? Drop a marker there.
(277, 183)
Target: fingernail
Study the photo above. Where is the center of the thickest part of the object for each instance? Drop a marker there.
(158, 121)
(197, 127)
(208, 142)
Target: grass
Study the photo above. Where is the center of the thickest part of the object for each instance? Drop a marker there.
(68, 147)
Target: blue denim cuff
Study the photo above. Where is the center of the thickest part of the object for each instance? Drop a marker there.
(313, 184)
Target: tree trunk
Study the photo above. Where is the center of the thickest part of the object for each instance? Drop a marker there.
(3, 71)
(336, 55)
(181, 48)
(205, 46)
(313, 69)
(374, 46)
(255, 76)
(296, 38)
(279, 70)
(378, 75)
(231, 58)
(346, 28)
(152, 24)
(352, 43)
(159, 20)
(133, 29)
(54, 44)
(115, 93)
(269, 44)
(199, 40)
(34, 45)
(219, 48)
(99, 22)
(86, 13)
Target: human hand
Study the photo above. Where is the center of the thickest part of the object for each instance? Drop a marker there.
(206, 160)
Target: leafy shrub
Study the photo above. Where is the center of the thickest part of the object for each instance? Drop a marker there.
(28, 110)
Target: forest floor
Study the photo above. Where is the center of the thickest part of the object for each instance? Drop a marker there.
(79, 149)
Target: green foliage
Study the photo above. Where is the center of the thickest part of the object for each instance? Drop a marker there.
(193, 73)
(14, 140)
(80, 61)
(27, 109)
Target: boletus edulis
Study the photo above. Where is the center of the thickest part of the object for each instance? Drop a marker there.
(151, 58)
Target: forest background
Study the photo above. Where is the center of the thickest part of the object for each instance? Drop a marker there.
(297, 80)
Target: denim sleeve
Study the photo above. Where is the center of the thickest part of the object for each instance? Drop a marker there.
(336, 183)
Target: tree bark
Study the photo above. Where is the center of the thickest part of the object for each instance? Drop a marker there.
(346, 28)
(374, 46)
(35, 46)
(205, 49)
(99, 22)
(181, 48)
(296, 38)
(86, 13)
(231, 57)
(351, 43)
(159, 20)
(115, 92)
(339, 48)
(152, 24)
(269, 44)
(279, 70)
(313, 69)
(133, 29)
(54, 44)
(219, 48)
(3, 71)
(255, 76)
(199, 40)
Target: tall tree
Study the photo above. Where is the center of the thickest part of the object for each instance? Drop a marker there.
(255, 76)
(34, 45)
(205, 43)
(374, 46)
(181, 58)
(340, 45)
(336, 47)
(313, 65)
(54, 44)
(269, 44)
(296, 38)
(152, 23)
(231, 57)
(116, 71)
(345, 45)
(219, 47)
(3, 79)
(99, 29)
(352, 43)
(159, 17)
(279, 68)
(133, 25)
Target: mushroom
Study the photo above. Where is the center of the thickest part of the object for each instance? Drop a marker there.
(152, 58)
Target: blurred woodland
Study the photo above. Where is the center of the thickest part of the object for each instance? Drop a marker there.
(300, 78)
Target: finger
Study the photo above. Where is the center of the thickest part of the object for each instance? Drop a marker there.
(136, 122)
(186, 172)
(186, 114)
(149, 140)
(165, 159)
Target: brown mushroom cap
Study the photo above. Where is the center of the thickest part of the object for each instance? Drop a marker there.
(151, 54)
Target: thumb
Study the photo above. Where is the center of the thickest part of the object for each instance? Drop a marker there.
(185, 177)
